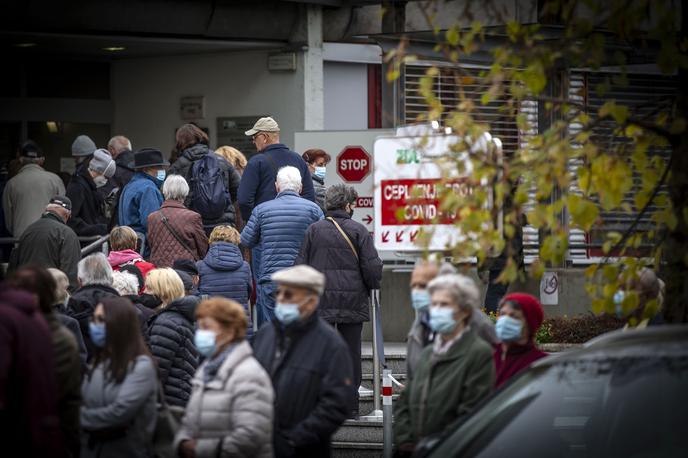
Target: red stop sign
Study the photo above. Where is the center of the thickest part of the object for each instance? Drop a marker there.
(353, 164)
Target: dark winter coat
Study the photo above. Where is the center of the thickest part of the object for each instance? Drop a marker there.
(223, 272)
(28, 390)
(348, 280)
(182, 166)
(516, 359)
(124, 172)
(165, 249)
(320, 189)
(49, 242)
(88, 207)
(171, 340)
(83, 303)
(73, 326)
(443, 388)
(258, 181)
(310, 367)
(278, 227)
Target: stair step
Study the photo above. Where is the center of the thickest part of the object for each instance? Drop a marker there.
(359, 431)
(356, 450)
(366, 403)
(396, 363)
(367, 382)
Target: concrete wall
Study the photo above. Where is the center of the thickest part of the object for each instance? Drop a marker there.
(346, 96)
(146, 94)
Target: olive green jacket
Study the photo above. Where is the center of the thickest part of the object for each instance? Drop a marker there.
(443, 388)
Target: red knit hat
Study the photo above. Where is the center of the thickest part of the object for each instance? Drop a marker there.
(532, 310)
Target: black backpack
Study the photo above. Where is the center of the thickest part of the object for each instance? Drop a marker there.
(209, 195)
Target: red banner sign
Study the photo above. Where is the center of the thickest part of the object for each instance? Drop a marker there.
(417, 201)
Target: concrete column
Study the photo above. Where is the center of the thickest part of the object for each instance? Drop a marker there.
(313, 93)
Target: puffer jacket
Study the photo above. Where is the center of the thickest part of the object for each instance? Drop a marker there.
(139, 198)
(279, 226)
(232, 413)
(171, 340)
(182, 166)
(88, 207)
(224, 273)
(165, 248)
(348, 279)
(320, 190)
(83, 303)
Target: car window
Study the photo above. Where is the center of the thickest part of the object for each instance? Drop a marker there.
(628, 407)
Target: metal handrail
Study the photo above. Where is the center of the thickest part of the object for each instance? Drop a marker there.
(95, 246)
(96, 242)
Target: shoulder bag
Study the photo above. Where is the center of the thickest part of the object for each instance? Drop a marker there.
(174, 233)
(346, 237)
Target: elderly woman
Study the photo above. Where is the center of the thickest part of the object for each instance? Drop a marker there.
(118, 412)
(520, 316)
(235, 158)
(317, 161)
(123, 241)
(230, 412)
(454, 373)
(344, 251)
(171, 334)
(223, 271)
(175, 232)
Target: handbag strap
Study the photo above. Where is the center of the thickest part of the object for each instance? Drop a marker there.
(346, 237)
(181, 241)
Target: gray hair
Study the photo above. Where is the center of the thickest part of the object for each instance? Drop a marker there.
(61, 284)
(461, 288)
(95, 270)
(125, 283)
(119, 143)
(175, 188)
(289, 179)
(31, 160)
(338, 195)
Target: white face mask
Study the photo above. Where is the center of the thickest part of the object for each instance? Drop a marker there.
(100, 181)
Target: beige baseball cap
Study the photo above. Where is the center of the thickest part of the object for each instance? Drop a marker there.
(266, 124)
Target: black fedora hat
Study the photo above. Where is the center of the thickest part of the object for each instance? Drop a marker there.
(148, 157)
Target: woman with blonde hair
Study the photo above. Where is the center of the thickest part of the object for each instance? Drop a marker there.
(170, 334)
(231, 411)
(235, 157)
(223, 271)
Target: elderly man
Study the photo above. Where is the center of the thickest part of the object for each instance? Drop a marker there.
(142, 196)
(121, 151)
(421, 334)
(277, 228)
(26, 194)
(49, 242)
(650, 292)
(309, 365)
(95, 281)
(88, 206)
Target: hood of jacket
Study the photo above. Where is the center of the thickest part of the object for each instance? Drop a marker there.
(116, 258)
(224, 256)
(195, 152)
(185, 306)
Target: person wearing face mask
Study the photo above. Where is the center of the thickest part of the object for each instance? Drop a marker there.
(344, 251)
(317, 161)
(142, 196)
(88, 207)
(520, 316)
(230, 412)
(309, 365)
(650, 290)
(118, 411)
(454, 373)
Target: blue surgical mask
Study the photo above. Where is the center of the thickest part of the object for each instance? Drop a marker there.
(161, 175)
(320, 172)
(287, 313)
(97, 332)
(204, 339)
(420, 299)
(508, 329)
(619, 297)
(442, 319)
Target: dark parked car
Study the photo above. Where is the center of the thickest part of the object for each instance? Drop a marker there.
(624, 394)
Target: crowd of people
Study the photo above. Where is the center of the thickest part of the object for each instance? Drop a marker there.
(96, 352)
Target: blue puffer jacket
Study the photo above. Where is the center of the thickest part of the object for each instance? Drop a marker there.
(140, 198)
(279, 226)
(223, 272)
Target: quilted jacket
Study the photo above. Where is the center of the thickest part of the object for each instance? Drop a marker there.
(278, 227)
(223, 272)
(171, 340)
(165, 249)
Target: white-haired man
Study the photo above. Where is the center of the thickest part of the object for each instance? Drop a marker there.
(49, 242)
(95, 281)
(277, 228)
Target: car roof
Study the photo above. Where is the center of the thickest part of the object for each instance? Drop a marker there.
(653, 341)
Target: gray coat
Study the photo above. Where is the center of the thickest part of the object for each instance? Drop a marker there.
(26, 196)
(233, 411)
(126, 410)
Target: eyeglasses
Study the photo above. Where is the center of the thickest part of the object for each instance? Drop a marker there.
(255, 136)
